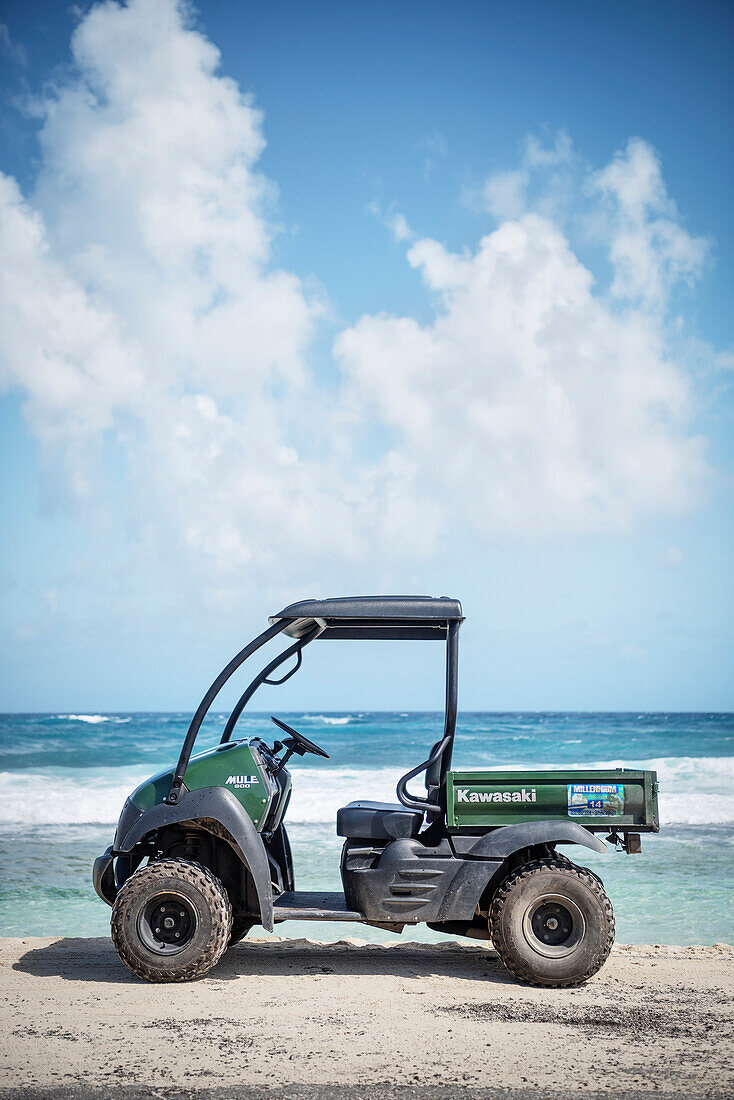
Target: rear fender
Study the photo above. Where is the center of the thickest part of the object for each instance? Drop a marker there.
(505, 841)
(484, 862)
(213, 806)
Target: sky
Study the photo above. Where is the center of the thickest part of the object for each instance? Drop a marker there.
(312, 300)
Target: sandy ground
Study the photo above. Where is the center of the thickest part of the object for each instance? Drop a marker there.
(302, 1020)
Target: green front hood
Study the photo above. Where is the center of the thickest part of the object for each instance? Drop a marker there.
(232, 766)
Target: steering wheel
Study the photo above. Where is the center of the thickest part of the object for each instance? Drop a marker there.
(302, 744)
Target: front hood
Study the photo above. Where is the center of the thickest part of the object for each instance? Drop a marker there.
(152, 791)
(147, 794)
(209, 768)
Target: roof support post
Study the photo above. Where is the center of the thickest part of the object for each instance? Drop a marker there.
(452, 691)
(206, 702)
(442, 750)
(261, 678)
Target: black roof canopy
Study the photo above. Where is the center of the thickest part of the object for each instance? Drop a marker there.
(407, 617)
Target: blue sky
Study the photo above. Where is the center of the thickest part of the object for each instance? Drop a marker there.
(389, 297)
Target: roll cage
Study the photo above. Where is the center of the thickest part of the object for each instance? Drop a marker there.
(408, 618)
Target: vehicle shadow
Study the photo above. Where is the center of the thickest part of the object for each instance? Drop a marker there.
(95, 960)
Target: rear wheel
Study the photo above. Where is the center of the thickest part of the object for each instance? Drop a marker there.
(552, 923)
(171, 921)
(586, 870)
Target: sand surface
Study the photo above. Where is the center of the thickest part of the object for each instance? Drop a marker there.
(303, 1020)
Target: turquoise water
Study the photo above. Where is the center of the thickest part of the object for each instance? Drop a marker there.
(63, 779)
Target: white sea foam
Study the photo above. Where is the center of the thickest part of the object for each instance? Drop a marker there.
(693, 791)
(328, 720)
(96, 795)
(318, 793)
(90, 796)
(92, 719)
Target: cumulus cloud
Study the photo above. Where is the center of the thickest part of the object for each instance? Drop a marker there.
(139, 299)
(393, 221)
(530, 401)
(504, 194)
(545, 180)
(649, 248)
(140, 304)
(64, 350)
(624, 206)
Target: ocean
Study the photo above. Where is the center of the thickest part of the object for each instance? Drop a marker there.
(64, 778)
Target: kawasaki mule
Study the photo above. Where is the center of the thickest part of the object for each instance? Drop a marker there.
(201, 852)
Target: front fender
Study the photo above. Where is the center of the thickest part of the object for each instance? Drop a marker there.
(221, 806)
(502, 842)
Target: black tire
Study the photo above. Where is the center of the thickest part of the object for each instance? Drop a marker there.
(193, 904)
(551, 923)
(240, 927)
(587, 870)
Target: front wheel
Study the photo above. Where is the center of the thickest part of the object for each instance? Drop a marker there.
(171, 921)
(552, 923)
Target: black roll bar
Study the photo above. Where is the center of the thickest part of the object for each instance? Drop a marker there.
(206, 702)
(452, 693)
(414, 801)
(445, 747)
(262, 678)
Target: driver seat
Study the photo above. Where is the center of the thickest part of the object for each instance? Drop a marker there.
(377, 821)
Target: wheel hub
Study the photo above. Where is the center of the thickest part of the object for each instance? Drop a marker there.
(553, 925)
(167, 923)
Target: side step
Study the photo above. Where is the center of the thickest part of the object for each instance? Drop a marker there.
(313, 905)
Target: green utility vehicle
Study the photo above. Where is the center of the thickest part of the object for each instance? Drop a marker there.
(201, 852)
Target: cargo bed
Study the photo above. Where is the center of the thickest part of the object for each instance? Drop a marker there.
(618, 800)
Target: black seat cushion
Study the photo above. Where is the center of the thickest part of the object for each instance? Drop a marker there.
(377, 821)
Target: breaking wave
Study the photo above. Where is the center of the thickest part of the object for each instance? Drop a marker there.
(693, 791)
(329, 720)
(92, 719)
(85, 797)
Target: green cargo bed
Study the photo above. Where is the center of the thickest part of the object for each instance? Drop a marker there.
(620, 800)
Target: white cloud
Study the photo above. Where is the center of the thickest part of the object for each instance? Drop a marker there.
(529, 403)
(625, 207)
(150, 195)
(15, 51)
(504, 194)
(393, 221)
(139, 303)
(64, 350)
(138, 296)
(672, 557)
(544, 181)
(649, 248)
